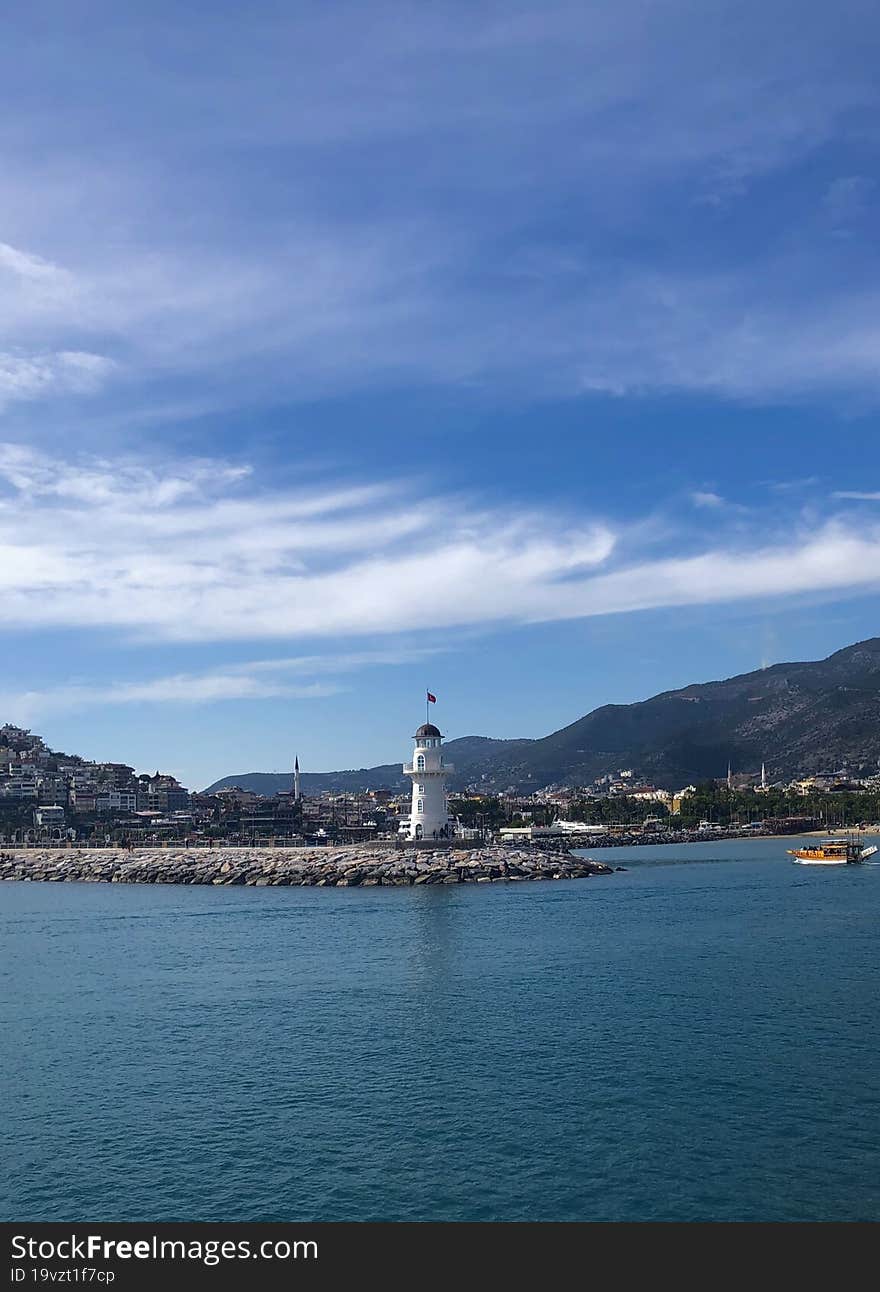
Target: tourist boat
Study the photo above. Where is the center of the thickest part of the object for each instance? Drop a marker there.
(842, 851)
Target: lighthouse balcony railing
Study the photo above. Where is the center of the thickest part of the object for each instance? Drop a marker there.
(409, 769)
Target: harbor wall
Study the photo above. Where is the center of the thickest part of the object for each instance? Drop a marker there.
(347, 867)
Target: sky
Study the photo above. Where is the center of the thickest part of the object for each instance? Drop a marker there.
(526, 352)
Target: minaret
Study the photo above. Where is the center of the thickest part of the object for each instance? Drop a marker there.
(763, 777)
(429, 818)
(296, 790)
(729, 777)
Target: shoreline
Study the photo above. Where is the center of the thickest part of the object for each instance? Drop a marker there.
(670, 838)
(342, 866)
(350, 866)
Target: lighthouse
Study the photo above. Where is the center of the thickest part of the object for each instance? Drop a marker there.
(297, 795)
(429, 818)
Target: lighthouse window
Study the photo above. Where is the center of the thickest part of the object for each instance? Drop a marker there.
(420, 763)
(421, 789)
(420, 808)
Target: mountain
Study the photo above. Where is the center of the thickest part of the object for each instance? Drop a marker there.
(799, 718)
(469, 754)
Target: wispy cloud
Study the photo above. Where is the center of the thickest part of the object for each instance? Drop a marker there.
(183, 556)
(182, 688)
(364, 306)
(32, 269)
(39, 303)
(796, 485)
(383, 218)
(32, 376)
(289, 677)
(857, 495)
(710, 500)
(208, 553)
(834, 559)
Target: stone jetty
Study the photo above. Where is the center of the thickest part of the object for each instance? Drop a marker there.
(350, 866)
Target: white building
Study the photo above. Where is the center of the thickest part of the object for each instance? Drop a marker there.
(558, 830)
(651, 795)
(429, 816)
(49, 814)
(116, 801)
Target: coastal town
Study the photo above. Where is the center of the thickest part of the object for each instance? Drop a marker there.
(48, 798)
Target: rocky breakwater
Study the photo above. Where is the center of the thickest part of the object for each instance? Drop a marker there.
(345, 867)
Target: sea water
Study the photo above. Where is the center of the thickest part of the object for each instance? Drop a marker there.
(694, 1039)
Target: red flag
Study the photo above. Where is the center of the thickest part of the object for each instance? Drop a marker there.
(432, 699)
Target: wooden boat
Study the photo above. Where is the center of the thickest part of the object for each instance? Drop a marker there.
(845, 850)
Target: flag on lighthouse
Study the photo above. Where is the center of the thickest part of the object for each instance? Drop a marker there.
(432, 699)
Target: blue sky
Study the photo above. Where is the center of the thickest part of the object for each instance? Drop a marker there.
(526, 352)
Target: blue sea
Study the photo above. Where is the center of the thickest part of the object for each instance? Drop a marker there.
(697, 1038)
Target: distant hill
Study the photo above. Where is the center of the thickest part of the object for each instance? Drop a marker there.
(469, 754)
(799, 718)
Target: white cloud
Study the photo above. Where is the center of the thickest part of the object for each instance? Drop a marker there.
(340, 270)
(182, 688)
(261, 679)
(178, 557)
(799, 484)
(204, 554)
(32, 376)
(31, 268)
(709, 500)
(832, 559)
(363, 305)
(856, 495)
(40, 311)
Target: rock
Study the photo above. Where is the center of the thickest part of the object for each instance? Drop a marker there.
(368, 865)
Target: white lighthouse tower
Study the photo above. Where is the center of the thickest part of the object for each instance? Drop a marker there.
(429, 818)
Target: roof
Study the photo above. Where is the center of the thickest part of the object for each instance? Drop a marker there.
(428, 729)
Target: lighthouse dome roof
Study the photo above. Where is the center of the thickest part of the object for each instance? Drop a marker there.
(428, 729)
